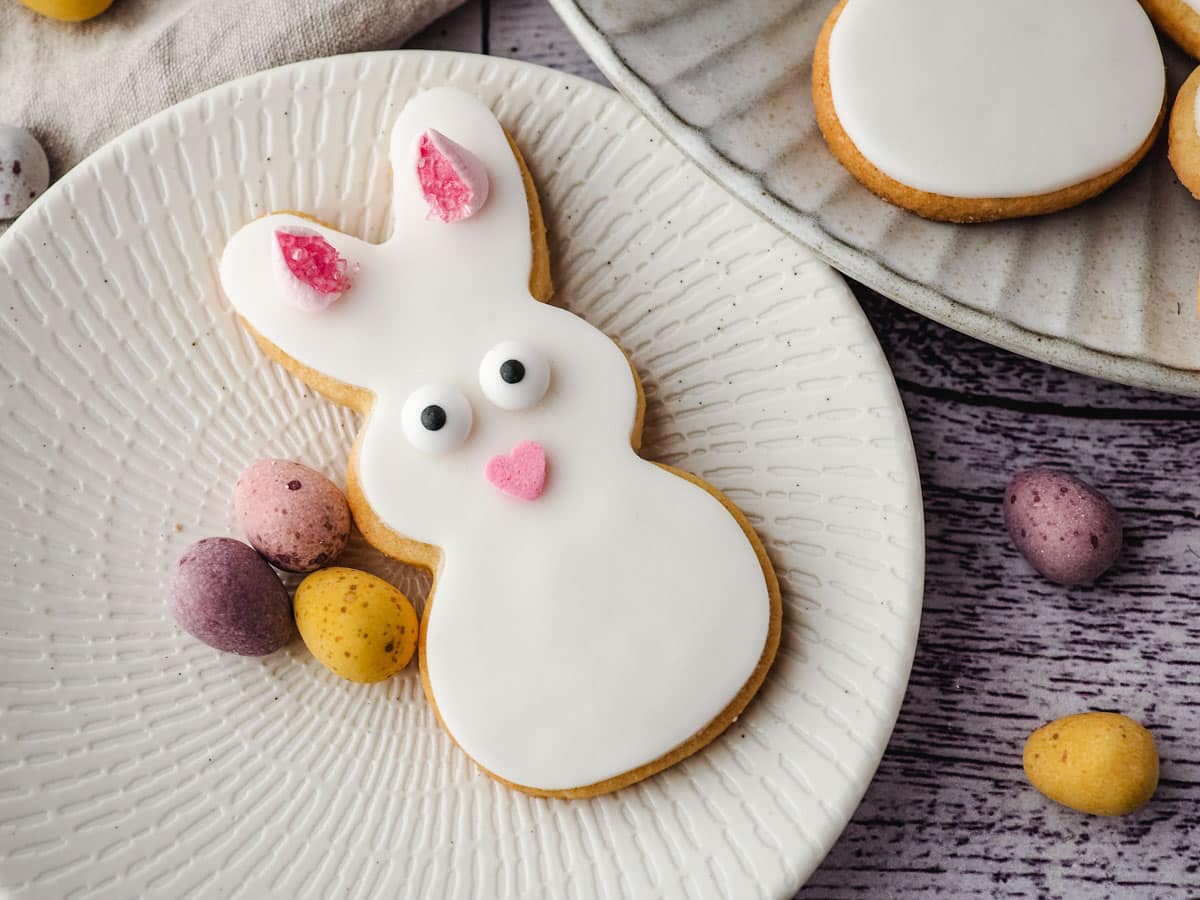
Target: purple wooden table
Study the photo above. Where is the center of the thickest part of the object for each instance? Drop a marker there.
(1001, 651)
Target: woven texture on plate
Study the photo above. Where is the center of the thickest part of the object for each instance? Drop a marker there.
(136, 762)
(1107, 288)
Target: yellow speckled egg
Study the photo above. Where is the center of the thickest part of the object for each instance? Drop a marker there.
(1100, 763)
(357, 625)
(69, 10)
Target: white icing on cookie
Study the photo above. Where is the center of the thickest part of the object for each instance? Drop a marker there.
(514, 375)
(605, 619)
(436, 418)
(978, 98)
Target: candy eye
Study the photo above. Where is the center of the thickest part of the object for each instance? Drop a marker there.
(514, 375)
(436, 418)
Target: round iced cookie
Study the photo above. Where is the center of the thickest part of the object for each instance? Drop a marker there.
(974, 111)
(1180, 20)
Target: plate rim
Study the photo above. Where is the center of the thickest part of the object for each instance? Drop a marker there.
(906, 452)
(857, 264)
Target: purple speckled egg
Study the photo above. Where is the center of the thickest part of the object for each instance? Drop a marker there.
(1063, 526)
(226, 595)
(291, 514)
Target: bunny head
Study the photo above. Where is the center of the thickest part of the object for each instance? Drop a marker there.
(460, 366)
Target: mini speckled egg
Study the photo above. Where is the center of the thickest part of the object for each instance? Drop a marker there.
(1100, 763)
(226, 595)
(291, 514)
(358, 626)
(1063, 526)
(24, 170)
(69, 10)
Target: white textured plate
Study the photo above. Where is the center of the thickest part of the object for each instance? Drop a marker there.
(1107, 288)
(136, 762)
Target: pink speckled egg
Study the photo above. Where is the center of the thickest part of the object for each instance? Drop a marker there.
(1065, 527)
(225, 594)
(291, 514)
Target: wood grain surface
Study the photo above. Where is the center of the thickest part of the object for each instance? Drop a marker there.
(1001, 650)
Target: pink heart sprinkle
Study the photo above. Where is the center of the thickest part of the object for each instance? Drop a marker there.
(521, 474)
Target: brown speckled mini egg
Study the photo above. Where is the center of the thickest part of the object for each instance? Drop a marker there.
(291, 514)
(1065, 527)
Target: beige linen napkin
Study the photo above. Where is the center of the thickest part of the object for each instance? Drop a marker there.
(75, 86)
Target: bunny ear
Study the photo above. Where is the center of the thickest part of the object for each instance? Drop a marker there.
(459, 198)
(315, 294)
(453, 180)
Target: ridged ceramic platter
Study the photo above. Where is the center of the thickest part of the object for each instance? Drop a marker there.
(1107, 288)
(136, 762)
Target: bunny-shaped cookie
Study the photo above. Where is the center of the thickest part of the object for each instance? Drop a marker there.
(594, 617)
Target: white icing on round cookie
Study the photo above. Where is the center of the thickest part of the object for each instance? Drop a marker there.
(579, 628)
(979, 98)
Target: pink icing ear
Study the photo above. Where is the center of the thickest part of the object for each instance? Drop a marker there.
(312, 274)
(454, 181)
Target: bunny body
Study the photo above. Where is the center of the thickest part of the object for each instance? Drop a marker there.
(572, 642)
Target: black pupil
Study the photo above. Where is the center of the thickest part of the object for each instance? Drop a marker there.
(512, 371)
(433, 417)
